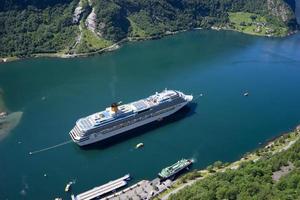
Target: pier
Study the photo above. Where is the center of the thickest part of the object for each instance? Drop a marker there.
(144, 189)
(103, 189)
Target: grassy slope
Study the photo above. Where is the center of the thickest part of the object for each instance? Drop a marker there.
(136, 30)
(91, 42)
(250, 26)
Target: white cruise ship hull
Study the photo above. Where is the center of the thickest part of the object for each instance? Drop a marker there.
(97, 137)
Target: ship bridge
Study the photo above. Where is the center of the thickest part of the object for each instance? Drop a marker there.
(164, 96)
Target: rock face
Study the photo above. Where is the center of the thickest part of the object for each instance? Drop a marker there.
(90, 22)
(77, 14)
(280, 9)
(93, 23)
(284, 170)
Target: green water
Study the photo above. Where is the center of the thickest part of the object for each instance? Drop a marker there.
(223, 125)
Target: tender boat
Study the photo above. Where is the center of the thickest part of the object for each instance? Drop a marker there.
(139, 145)
(68, 186)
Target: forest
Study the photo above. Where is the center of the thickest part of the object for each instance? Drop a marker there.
(252, 180)
(30, 27)
(34, 27)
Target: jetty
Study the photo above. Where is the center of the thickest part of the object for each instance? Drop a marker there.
(144, 189)
(107, 188)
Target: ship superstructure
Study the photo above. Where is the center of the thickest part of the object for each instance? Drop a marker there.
(118, 118)
(173, 170)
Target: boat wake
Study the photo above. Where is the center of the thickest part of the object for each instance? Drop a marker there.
(49, 148)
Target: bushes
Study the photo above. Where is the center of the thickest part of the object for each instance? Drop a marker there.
(40, 26)
(251, 181)
(35, 30)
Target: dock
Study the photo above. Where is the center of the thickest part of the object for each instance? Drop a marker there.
(103, 189)
(144, 189)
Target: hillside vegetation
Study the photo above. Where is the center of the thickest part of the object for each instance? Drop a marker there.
(255, 24)
(29, 27)
(275, 176)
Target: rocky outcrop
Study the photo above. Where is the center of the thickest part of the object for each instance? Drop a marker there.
(77, 13)
(280, 9)
(91, 21)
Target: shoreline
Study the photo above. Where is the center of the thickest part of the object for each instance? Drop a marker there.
(271, 147)
(162, 190)
(8, 120)
(117, 45)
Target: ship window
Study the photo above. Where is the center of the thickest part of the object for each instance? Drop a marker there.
(143, 110)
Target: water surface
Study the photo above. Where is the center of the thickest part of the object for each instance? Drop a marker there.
(221, 125)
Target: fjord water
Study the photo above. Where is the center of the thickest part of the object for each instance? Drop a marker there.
(221, 125)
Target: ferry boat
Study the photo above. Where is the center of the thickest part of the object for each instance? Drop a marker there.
(118, 119)
(173, 170)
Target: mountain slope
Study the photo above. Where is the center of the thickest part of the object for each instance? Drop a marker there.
(35, 27)
(30, 27)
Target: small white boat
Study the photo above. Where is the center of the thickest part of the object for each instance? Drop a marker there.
(68, 186)
(3, 114)
(246, 94)
(139, 145)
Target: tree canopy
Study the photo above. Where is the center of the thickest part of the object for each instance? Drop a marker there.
(253, 180)
(45, 26)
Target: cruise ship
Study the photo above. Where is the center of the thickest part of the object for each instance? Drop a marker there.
(118, 118)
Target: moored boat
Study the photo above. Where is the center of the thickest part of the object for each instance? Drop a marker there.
(139, 145)
(171, 171)
(118, 118)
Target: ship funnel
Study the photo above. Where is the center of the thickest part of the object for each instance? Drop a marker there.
(114, 107)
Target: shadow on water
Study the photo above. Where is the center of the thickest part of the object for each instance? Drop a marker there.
(186, 111)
